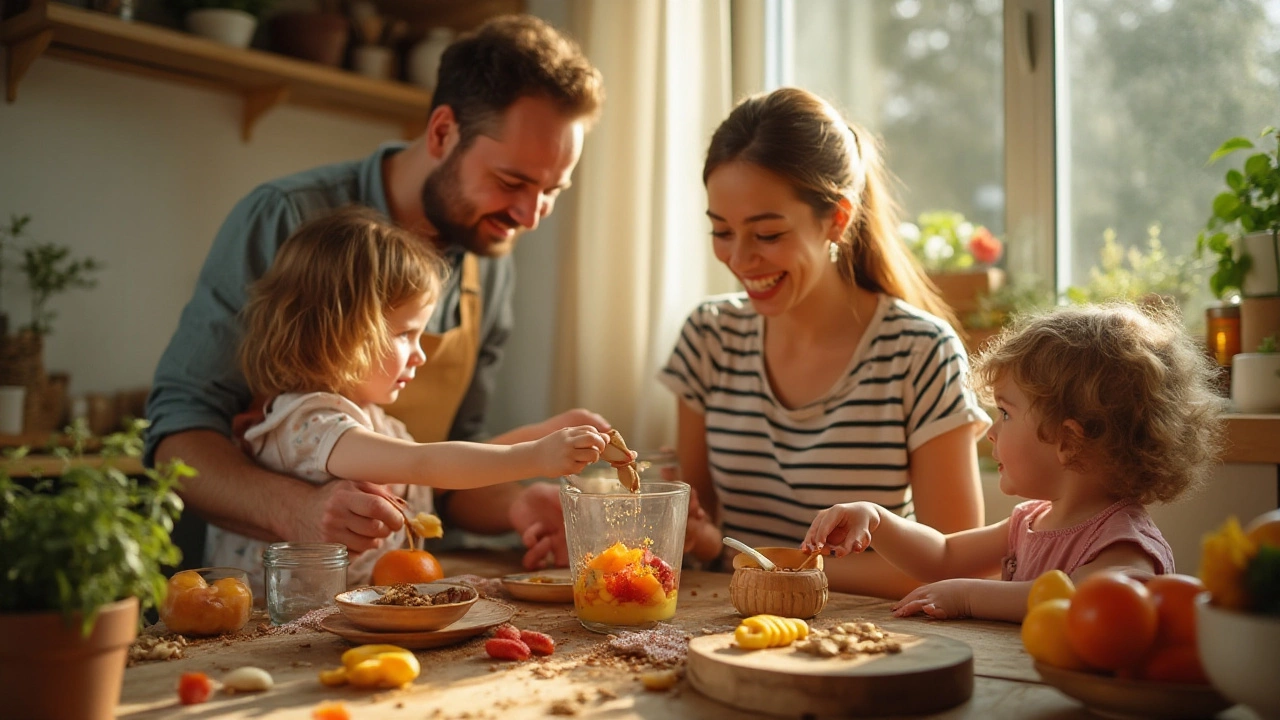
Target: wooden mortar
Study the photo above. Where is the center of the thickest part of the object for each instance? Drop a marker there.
(784, 592)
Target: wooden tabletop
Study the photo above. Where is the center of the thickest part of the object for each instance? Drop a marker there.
(463, 682)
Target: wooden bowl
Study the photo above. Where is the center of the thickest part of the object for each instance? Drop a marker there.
(357, 606)
(785, 592)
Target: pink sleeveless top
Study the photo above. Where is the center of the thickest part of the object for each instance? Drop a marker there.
(1032, 552)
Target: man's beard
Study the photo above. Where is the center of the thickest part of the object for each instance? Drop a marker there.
(443, 203)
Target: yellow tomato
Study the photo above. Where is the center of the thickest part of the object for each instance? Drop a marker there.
(1044, 635)
(1053, 585)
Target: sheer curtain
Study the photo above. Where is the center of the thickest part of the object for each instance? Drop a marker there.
(637, 256)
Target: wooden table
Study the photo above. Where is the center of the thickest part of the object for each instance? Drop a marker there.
(463, 682)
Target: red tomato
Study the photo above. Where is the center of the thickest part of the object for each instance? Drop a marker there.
(194, 688)
(1175, 599)
(1112, 621)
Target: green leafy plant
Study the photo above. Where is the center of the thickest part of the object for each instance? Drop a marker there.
(254, 7)
(943, 241)
(1268, 344)
(51, 270)
(1135, 274)
(1022, 293)
(10, 234)
(91, 536)
(1251, 203)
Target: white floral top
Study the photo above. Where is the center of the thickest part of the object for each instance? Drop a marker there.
(295, 438)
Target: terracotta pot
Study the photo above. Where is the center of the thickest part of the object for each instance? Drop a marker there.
(50, 671)
(318, 37)
(962, 290)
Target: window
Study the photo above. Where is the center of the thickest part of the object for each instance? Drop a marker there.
(1140, 93)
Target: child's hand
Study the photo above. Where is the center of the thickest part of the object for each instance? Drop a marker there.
(567, 451)
(842, 529)
(943, 600)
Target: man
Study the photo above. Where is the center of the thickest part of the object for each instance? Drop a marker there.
(510, 110)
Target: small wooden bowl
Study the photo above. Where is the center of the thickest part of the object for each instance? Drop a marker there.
(785, 592)
(357, 605)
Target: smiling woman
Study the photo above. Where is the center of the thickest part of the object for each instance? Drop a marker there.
(833, 377)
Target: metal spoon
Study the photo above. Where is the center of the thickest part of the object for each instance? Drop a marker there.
(742, 547)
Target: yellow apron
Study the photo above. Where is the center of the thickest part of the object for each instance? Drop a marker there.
(428, 404)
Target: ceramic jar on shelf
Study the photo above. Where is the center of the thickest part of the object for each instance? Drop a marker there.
(423, 62)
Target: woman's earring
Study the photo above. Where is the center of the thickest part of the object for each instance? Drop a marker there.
(833, 249)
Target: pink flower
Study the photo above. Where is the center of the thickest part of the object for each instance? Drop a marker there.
(985, 247)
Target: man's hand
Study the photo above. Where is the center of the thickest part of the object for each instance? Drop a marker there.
(536, 514)
(356, 514)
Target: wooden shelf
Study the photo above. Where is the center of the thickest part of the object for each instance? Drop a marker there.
(1252, 439)
(263, 79)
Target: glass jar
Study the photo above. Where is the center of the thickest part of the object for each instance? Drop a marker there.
(625, 552)
(1222, 329)
(301, 577)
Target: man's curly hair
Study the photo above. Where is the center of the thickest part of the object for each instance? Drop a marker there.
(1140, 387)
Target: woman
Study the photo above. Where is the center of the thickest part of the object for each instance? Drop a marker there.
(834, 377)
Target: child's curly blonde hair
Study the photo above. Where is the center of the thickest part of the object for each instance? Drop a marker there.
(316, 320)
(1131, 377)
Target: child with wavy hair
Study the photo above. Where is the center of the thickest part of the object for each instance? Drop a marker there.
(1100, 411)
(332, 333)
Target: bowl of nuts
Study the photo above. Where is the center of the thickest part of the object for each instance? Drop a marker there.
(404, 607)
(796, 588)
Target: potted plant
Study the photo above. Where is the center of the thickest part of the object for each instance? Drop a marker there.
(959, 257)
(1244, 232)
(83, 555)
(1255, 379)
(49, 270)
(1245, 222)
(1141, 275)
(231, 22)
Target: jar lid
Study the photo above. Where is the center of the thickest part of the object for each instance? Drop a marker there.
(287, 553)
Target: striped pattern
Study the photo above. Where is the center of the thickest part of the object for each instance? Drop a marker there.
(774, 468)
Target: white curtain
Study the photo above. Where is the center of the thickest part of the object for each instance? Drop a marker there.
(638, 255)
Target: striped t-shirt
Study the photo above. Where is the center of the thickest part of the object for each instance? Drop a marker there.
(774, 468)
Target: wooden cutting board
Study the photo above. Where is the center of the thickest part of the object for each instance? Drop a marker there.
(931, 673)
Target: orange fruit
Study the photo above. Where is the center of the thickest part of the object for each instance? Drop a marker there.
(1112, 620)
(1265, 529)
(1175, 599)
(1051, 585)
(406, 566)
(1175, 664)
(1044, 635)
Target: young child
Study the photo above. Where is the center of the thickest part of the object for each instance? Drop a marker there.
(1100, 411)
(331, 333)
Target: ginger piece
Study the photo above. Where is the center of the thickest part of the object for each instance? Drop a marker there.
(617, 453)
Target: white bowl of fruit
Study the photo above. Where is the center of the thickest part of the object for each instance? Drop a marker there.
(1239, 618)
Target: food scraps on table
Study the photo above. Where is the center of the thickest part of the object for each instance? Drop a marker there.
(194, 688)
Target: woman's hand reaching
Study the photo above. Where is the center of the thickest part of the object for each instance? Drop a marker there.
(843, 529)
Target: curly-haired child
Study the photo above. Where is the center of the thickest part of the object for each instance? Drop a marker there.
(332, 332)
(1100, 411)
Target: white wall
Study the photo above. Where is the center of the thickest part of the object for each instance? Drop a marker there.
(139, 173)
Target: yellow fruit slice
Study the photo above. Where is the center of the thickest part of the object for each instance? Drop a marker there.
(1044, 635)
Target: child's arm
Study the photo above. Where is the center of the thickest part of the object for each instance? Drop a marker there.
(919, 550)
(361, 454)
(967, 597)
(1125, 557)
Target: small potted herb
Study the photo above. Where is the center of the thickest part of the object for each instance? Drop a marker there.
(82, 557)
(1244, 227)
